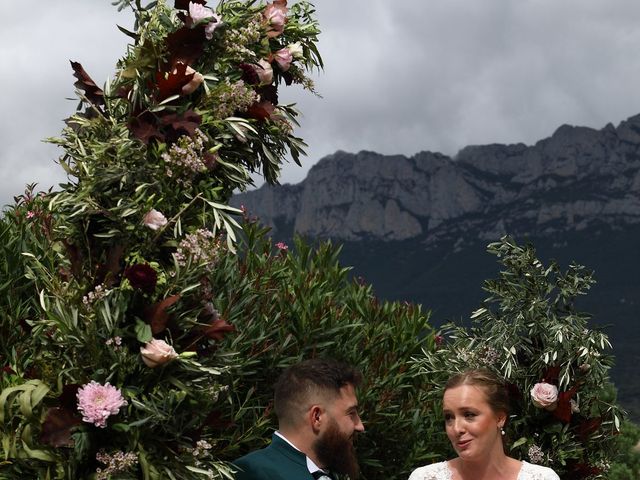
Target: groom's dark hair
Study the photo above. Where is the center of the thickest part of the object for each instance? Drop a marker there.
(302, 384)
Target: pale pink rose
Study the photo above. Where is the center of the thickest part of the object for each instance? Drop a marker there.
(276, 16)
(265, 72)
(194, 83)
(157, 352)
(98, 402)
(544, 395)
(283, 58)
(296, 50)
(154, 219)
(282, 246)
(199, 13)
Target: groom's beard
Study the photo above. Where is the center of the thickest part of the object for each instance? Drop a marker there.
(335, 451)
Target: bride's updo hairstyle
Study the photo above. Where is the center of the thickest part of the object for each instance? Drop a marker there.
(493, 386)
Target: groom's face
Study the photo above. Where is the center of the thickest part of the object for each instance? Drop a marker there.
(334, 445)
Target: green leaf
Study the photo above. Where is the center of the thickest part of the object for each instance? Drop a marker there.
(143, 331)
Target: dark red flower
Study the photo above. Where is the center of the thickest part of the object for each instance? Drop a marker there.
(249, 74)
(563, 409)
(142, 277)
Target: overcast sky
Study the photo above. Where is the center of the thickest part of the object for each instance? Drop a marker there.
(400, 76)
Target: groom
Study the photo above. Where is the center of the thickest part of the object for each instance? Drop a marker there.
(317, 410)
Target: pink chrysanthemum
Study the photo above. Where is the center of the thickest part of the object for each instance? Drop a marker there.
(97, 402)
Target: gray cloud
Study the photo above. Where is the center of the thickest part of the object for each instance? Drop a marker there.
(399, 76)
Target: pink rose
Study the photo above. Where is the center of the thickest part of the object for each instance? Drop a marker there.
(200, 13)
(157, 352)
(283, 58)
(194, 83)
(265, 72)
(544, 395)
(276, 16)
(154, 219)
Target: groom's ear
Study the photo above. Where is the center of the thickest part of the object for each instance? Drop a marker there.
(315, 417)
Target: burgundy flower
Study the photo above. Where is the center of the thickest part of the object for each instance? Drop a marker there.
(142, 276)
(249, 74)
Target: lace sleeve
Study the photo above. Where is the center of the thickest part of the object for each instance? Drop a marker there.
(436, 471)
(537, 472)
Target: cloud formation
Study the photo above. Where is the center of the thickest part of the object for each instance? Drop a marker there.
(400, 77)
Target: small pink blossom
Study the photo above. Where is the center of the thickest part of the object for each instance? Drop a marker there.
(276, 16)
(156, 353)
(200, 13)
(282, 246)
(97, 402)
(31, 214)
(544, 395)
(283, 58)
(154, 219)
(265, 72)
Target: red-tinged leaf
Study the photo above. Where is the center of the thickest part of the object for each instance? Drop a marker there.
(93, 93)
(157, 315)
(57, 427)
(8, 370)
(261, 110)
(171, 83)
(180, 124)
(586, 428)
(563, 408)
(184, 4)
(145, 128)
(218, 328)
(186, 45)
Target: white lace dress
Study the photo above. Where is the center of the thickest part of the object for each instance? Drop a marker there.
(440, 471)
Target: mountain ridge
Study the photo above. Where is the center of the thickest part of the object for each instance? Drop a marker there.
(573, 178)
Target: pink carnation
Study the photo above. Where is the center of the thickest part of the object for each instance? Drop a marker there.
(97, 402)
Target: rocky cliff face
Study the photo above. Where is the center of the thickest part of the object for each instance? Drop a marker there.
(578, 178)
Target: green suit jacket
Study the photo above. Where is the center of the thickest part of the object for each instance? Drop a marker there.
(278, 461)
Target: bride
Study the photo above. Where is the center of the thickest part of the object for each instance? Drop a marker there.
(476, 409)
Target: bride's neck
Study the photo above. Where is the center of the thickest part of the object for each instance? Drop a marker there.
(495, 468)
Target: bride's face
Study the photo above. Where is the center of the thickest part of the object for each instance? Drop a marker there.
(472, 426)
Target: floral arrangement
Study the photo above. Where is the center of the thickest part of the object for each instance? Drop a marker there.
(555, 366)
(117, 366)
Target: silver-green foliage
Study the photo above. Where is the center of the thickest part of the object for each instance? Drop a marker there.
(528, 330)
